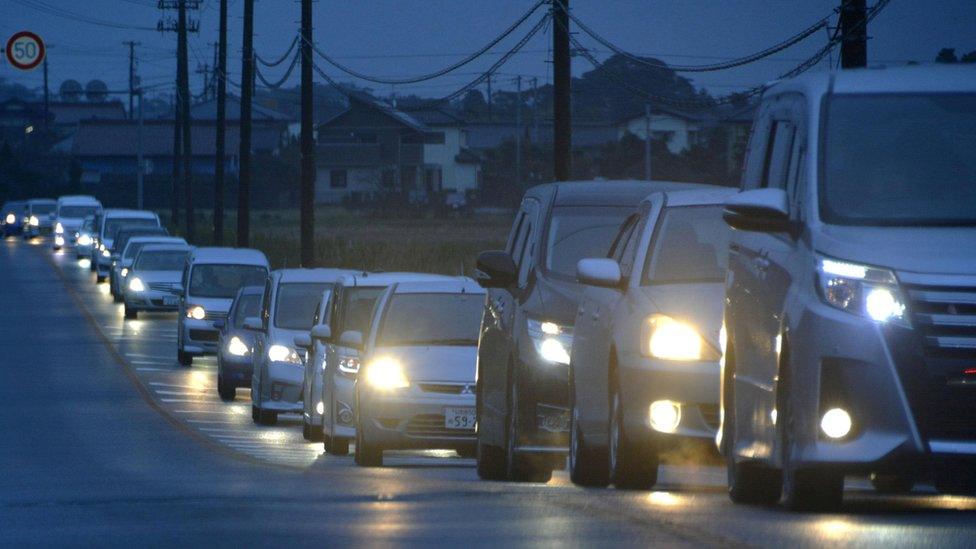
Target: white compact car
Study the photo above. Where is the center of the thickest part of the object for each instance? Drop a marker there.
(85, 238)
(154, 279)
(287, 311)
(70, 216)
(211, 279)
(111, 221)
(416, 387)
(122, 265)
(338, 342)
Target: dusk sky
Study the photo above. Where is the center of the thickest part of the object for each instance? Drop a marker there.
(406, 37)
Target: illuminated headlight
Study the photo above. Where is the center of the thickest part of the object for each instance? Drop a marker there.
(59, 228)
(33, 221)
(836, 423)
(666, 338)
(84, 240)
(552, 342)
(196, 312)
(348, 364)
(665, 416)
(136, 285)
(59, 240)
(106, 254)
(280, 353)
(124, 272)
(386, 374)
(320, 408)
(101, 247)
(11, 219)
(237, 347)
(870, 292)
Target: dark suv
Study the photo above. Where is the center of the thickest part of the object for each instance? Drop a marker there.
(527, 330)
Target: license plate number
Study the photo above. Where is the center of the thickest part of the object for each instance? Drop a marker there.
(170, 300)
(462, 417)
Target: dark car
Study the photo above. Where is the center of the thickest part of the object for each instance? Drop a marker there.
(119, 241)
(527, 331)
(235, 343)
(12, 218)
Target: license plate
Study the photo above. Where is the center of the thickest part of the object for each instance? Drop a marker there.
(462, 417)
(171, 300)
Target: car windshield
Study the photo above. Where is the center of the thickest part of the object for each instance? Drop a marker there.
(899, 160)
(295, 304)
(691, 245)
(113, 224)
(43, 208)
(432, 319)
(357, 308)
(132, 248)
(77, 211)
(249, 305)
(172, 260)
(223, 281)
(576, 232)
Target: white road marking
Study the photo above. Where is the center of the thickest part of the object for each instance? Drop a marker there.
(157, 357)
(185, 399)
(212, 422)
(155, 369)
(229, 412)
(182, 393)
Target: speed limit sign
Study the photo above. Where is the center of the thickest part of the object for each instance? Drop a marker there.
(25, 50)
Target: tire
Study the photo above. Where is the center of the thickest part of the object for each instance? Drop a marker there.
(267, 417)
(336, 446)
(520, 467)
(749, 483)
(227, 392)
(99, 278)
(310, 433)
(131, 314)
(467, 453)
(117, 298)
(956, 478)
(588, 466)
(183, 358)
(892, 483)
(367, 454)
(491, 459)
(254, 413)
(632, 464)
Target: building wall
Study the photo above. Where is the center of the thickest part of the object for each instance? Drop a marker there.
(679, 132)
(361, 182)
(454, 175)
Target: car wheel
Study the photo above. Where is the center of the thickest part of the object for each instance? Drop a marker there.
(183, 358)
(267, 417)
(91, 265)
(99, 278)
(956, 478)
(892, 483)
(311, 433)
(254, 413)
(337, 446)
(588, 466)
(226, 391)
(367, 453)
(470, 452)
(490, 458)
(131, 314)
(520, 467)
(633, 465)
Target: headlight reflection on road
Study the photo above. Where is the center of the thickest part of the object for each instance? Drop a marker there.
(666, 499)
(834, 529)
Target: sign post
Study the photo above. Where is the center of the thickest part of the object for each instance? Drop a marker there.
(25, 50)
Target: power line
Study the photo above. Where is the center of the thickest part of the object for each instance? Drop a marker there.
(280, 59)
(278, 83)
(59, 12)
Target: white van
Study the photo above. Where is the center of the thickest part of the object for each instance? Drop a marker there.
(70, 216)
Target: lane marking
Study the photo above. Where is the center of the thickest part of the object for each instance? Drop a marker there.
(181, 393)
(155, 369)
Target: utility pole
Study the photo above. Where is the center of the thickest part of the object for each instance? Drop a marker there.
(183, 61)
(205, 71)
(244, 158)
(562, 138)
(489, 97)
(535, 109)
(132, 74)
(307, 143)
(220, 68)
(647, 141)
(854, 34)
(47, 97)
(518, 132)
(140, 161)
(174, 219)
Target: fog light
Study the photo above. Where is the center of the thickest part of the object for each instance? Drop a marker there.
(665, 416)
(320, 408)
(836, 423)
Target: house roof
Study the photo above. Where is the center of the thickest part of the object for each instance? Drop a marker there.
(364, 99)
(435, 116)
(70, 113)
(207, 110)
(120, 138)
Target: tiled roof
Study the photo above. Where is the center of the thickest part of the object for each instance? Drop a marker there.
(120, 138)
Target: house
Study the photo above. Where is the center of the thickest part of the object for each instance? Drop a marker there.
(18, 119)
(67, 114)
(490, 135)
(371, 149)
(680, 130)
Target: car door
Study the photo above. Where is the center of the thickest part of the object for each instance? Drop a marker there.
(312, 366)
(328, 350)
(259, 356)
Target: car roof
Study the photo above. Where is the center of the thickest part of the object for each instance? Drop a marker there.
(933, 78)
(162, 239)
(310, 275)
(697, 197)
(375, 280)
(163, 247)
(78, 199)
(14, 203)
(457, 285)
(251, 290)
(237, 256)
(41, 201)
(135, 214)
(606, 192)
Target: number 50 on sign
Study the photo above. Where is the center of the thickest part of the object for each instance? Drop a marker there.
(25, 50)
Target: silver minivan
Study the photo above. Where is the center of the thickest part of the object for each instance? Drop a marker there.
(851, 293)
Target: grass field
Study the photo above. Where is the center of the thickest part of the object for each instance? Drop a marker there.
(355, 240)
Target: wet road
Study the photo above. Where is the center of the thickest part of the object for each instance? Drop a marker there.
(106, 439)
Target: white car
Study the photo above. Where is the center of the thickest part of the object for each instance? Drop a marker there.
(70, 216)
(211, 279)
(287, 311)
(85, 238)
(39, 217)
(337, 342)
(416, 386)
(122, 266)
(111, 221)
(154, 279)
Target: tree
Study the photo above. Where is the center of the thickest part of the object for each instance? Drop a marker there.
(474, 103)
(946, 55)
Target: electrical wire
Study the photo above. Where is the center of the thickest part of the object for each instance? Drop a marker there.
(281, 59)
(59, 12)
(430, 76)
(278, 83)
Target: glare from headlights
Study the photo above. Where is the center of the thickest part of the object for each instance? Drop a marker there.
(33, 221)
(136, 285)
(124, 272)
(836, 423)
(665, 415)
(670, 339)
(196, 312)
(59, 240)
(320, 408)
(101, 247)
(882, 305)
(386, 374)
(237, 347)
(84, 240)
(11, 219)
(551, 341)
(278, 353)
(59, 228)
(553, 350)
(106, 253)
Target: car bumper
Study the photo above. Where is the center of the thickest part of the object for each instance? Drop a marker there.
(409, 420)
(693, 386)
(312, 416)
(544, 392)
(199, 337)
(236, 370)
(343, 412)
(148, 300)
(281, 387)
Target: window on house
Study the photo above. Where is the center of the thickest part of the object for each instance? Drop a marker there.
(432, 179)
(338, 179)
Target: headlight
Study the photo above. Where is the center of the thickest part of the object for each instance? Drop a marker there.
(196, 312)
(348, 364)
(237, 347)
(101, 247)
(59, 228)
(33, 221)
(124, 272)
(106, 253)
(136, 285)
(11, 219)
(58, 240)
(386, 374)
(870, 292)
(551, 340)
(84, 240)
(666, 338)
(280, 353)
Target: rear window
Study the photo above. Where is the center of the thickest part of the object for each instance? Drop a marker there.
(160, 261)
(295, 304)
(691, 245)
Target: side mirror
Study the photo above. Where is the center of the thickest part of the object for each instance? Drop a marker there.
(495, 269)
(219, 324)
(303, 341)
(351, 338)
(599, 272)
(760, 210)
(322, 332)
(254, 324)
